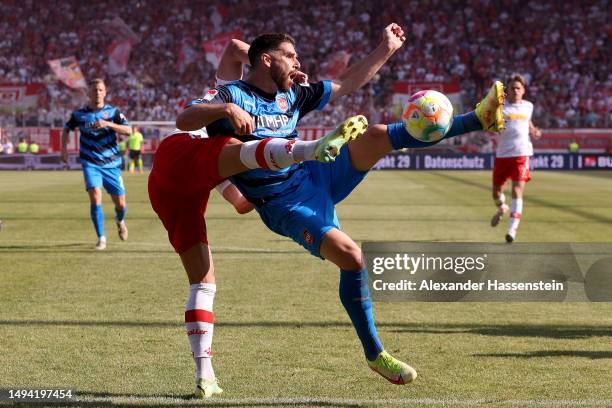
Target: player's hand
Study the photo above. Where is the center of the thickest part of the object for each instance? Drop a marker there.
(393, 36)
(64, 156)
(241, 120)
(101, 124)
(300, 78)
(536, 132)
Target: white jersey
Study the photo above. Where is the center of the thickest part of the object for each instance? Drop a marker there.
(514, 141)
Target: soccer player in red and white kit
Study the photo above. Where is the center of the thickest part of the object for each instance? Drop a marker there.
(512, 155)
(188, 165)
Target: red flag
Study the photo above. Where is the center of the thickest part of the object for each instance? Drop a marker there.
(18, 97)
(337, 64)
(68, 71)
(214, 46)
(118, 56)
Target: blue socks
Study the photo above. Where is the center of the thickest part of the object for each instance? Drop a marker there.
(355, 297)
(462, 124)
(97, 216)
(120, 213)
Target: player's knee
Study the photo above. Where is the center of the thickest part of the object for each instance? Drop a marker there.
(352, 258)
(376, 132)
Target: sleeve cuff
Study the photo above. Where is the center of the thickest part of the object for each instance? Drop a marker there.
(327, 90)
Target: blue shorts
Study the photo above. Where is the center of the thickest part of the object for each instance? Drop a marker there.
(305, 213)
(98, 177)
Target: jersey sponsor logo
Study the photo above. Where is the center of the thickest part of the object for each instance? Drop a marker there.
(516, 116)
(272, 122)
(308, 237)
(210, 95)
(281, 101)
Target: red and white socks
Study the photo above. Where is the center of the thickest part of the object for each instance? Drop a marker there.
(515, 215)
(501, 203)
(199, 321)
(276, 153)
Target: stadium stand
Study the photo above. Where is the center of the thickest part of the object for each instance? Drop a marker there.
(561, 49)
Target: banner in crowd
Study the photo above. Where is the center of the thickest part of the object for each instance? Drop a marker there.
(402, 90)
(118, 56)
(120, 30)
(15, 98)
(68, 71)
(214, 46)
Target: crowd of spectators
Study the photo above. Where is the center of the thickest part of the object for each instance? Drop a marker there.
(561, 49)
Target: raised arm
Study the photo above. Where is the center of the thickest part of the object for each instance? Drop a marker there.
(360, 73)
(234, 56)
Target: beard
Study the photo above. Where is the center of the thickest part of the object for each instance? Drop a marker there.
(281, 80)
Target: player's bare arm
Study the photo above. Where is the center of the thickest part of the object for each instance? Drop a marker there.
(363, 71)
(234, 56)
(535, 132)
(123, 129)
(200, 115)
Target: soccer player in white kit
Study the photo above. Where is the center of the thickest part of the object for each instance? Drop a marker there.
(512, 155)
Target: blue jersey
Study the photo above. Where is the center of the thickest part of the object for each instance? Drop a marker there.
(98, 146)
(275, 115)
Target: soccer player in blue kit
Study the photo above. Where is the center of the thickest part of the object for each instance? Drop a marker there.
(99, 124)
(299, 201)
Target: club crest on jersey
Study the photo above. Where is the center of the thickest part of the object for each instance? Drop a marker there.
(308, 237)
(281, 102)
(210, 94)
(105, 115)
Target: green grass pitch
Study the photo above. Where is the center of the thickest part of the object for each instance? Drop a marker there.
(109, 324)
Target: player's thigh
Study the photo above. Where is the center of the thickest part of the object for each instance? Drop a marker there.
(502, 170)
(305, 222)
(113, 181)
(339, 178)
(92, 176)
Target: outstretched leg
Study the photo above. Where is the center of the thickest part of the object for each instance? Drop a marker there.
(279, 153)
(379, 140)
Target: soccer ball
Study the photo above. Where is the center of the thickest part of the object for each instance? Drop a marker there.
(428, 116)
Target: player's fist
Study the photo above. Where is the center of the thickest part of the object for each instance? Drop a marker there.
(300, 78)
(100, 124)
(536, 133)
(394, 36)
(241, 120)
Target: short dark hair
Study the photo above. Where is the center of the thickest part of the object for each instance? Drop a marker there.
(516, 77)
(265, 43)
